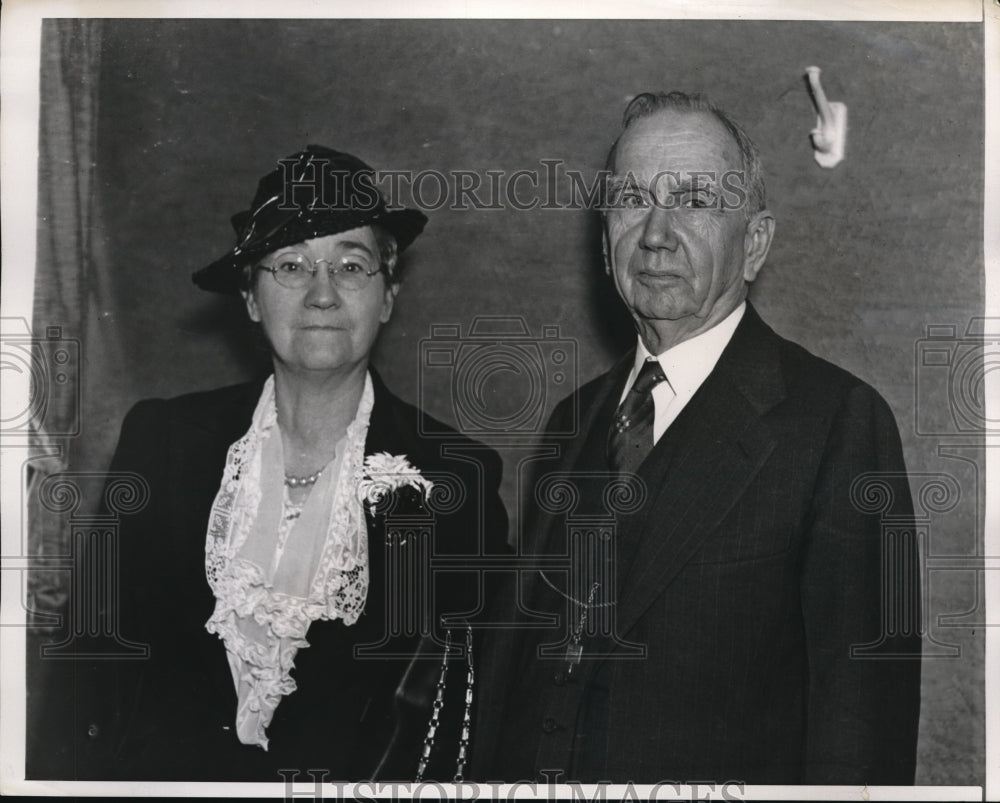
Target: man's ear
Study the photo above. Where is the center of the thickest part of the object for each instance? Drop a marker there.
(604, 246)
(251, 301)
(756, 243)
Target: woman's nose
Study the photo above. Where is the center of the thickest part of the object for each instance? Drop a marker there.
(323, 290)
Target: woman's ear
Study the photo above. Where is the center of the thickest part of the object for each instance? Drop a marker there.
(251, 301)
(388, 300)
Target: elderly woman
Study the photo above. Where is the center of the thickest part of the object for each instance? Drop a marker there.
(288, 628)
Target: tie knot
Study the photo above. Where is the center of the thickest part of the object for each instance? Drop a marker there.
(650, 375)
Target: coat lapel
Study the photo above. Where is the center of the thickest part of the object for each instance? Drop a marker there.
(599, 406)
(699, 468)
(204, 432)
(594, 423)
(383, 436)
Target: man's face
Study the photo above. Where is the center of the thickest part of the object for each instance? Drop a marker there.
(679, 244)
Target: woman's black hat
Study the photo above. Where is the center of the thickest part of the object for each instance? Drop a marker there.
(313, 193)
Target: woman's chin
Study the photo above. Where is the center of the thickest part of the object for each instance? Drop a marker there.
(320, 362)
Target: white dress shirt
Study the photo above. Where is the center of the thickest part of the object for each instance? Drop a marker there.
(686, 366)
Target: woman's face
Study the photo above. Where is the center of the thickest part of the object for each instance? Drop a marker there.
(321, 327)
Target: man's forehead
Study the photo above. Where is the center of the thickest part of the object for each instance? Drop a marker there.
(676, 140)
(669, 180)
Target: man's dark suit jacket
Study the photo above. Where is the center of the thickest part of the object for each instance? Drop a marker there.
(172, 717)
(746, 575)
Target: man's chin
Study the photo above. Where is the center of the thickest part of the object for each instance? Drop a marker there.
(672, 312)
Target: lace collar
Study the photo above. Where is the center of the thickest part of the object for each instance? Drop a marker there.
(263, 627)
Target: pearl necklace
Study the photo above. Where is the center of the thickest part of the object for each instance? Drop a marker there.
(298, 482)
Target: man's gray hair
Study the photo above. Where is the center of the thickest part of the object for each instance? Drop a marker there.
(649, 103)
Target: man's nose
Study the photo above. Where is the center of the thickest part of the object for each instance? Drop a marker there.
(658, 229)
(323, 291)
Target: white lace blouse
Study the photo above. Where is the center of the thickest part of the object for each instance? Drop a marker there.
(275, 567)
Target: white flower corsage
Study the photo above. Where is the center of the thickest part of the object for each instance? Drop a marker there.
(386, 473)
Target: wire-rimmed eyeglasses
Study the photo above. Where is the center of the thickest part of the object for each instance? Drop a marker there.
(294, 271)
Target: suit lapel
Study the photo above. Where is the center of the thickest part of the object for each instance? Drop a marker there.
(699, 468)
(578, 453)
(596, 421)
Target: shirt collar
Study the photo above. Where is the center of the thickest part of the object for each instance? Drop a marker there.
(688, 364)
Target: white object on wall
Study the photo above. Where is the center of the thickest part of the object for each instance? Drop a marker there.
(830, 134)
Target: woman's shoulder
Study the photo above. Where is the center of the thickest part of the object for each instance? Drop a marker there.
(398, 425)
(223, 413)
(198, 404)
(414, 420)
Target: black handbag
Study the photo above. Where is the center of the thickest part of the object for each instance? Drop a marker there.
(433, 715)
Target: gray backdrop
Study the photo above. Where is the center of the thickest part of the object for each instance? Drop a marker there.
(191, 112)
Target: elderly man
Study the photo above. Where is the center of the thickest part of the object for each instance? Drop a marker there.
(735, 628)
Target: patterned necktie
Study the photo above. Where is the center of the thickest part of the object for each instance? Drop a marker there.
(631, 435)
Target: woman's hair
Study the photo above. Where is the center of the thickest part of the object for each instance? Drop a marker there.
(388, 258)
(388, 252)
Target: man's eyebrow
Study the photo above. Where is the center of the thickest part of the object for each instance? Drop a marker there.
(628, 180)
(701, 181)
(629, 177)
(685, 180)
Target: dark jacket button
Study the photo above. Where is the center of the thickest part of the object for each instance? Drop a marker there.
(559, 678)
(549, 725)
(93, 731)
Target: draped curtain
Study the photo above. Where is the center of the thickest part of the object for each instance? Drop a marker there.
(71, 293)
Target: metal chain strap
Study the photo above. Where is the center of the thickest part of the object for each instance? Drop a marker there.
(470, 680)
(435, 720)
